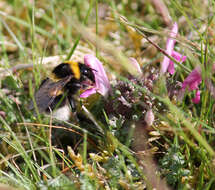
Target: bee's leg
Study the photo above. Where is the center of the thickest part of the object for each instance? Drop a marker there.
(72, 103)
(73, 107)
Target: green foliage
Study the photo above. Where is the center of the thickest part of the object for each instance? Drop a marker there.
(36, 36)
(174, 165)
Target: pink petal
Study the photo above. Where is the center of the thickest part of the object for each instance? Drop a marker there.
(193, 79)
(196, 100)
(169, 48)
(178, 56)
(88, 92)
(194, 85)
(101, 79)
(171, 68)
(136, 65)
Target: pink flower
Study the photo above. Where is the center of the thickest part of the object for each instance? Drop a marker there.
(102, 84)
(178, 57)
(192, 81)
(196, 99)
(167, 64)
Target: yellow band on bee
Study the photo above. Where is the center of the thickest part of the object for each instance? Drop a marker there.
(75, 68)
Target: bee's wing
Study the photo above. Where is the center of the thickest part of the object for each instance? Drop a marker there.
(47, 92)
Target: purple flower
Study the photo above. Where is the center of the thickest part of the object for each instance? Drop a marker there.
(178, 57)
(193, 79)
(102, 84)
(196, 99)
(168, 64)
(192, 82)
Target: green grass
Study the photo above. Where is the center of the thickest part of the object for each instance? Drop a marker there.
(111, 147)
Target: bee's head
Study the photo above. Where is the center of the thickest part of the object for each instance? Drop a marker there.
(80, 71)
(86, 73)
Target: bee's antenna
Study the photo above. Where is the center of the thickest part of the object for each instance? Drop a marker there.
(94, 70)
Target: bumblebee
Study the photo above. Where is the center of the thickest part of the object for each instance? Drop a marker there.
(58, 89)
